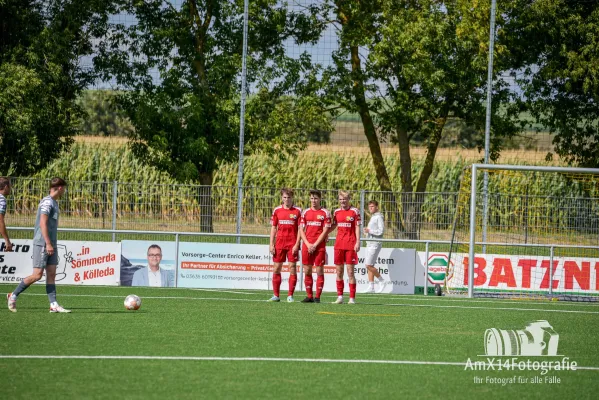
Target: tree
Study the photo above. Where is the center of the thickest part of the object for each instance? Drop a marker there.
(41, 43)
(557, 42)
(406, 66)
(103, 116)
(180, 69)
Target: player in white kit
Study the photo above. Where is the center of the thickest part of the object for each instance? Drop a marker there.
(375, 229)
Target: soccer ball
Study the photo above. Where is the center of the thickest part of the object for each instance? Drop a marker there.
(132, 302)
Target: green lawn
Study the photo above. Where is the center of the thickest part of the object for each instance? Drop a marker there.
(288, 344)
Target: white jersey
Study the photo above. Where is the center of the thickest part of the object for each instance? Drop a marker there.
(376, 228)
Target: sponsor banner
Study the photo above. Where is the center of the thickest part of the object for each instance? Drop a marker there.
(510, 272)
(85, 263)
(222, 265)
(136, 258)
(239, 266)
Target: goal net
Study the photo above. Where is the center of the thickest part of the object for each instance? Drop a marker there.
(534, 233)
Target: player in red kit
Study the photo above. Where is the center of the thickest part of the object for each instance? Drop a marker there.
(284, 242)
(314, 227)
(347, 244)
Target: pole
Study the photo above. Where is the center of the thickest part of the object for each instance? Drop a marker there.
(242, 119)
(488, 123)
(472, 232)
(115, 189)
(426, 269)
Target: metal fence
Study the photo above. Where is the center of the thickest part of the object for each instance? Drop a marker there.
(193, 208)
(144, 207)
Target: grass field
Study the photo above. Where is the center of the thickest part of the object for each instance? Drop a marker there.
(233, 344)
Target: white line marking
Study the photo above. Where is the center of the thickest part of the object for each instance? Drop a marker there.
(494, 308)
(260, 359)
(411, 297)
(223, 291)
(382, 305)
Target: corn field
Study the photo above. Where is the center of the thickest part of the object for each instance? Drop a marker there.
(108, 188)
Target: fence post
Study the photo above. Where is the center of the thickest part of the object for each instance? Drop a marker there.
(176, 260)
(115, 186)
(362, 197)
(425, 269)
(551, 270)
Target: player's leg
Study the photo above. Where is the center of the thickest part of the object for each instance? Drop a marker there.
(369, 262)
(351, 259)
(308, 281)
(278, 259)
(319, 262)
(352, 282)
(39, 262)
(375, 272)
(292, 276)
(51, 287)
(339, 261)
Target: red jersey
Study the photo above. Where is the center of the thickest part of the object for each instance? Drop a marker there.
(346, 221)
(287, 223)
(315, 221)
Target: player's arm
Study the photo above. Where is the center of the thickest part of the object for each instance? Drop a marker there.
(45, 234)
(4, 233)
(302, 235)
(273, 234)
(297, 242)
(357, 229)
(323, 235)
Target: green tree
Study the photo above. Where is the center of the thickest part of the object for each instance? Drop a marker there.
(557, 42)
(103, 116)
(41, 43)
(180, 68)
(406, 67)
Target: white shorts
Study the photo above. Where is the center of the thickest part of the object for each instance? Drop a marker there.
(372, 252)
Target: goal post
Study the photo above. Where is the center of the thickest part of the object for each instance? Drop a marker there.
(539, 236)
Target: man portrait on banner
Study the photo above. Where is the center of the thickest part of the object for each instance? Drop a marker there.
(153, 275)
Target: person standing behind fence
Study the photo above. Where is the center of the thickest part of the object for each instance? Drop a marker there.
(284, 242)
(4, 191)
(314, 228)
(347, 221)
(375, 229)
(44, 248)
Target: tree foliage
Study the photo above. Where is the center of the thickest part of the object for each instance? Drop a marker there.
(41, 43)
(180, 66)
(102, 114)
(406, 67)
(557, 43)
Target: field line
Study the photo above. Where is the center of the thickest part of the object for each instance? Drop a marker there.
(223, 291)
(376, 304)
(259, 359)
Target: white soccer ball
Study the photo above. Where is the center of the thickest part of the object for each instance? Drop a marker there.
(132, 302)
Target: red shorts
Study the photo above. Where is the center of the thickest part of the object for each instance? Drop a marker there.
(282, 255)
(346, 257)
(317, 259)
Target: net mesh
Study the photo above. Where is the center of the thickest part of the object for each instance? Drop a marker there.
(533, 219)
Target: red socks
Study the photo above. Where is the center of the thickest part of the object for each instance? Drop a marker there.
(276, 284)
(340, 285)
(319, 285)
(308, 282)
(352, 290)
(292, 283)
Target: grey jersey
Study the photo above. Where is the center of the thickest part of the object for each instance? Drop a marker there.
(47, 206)
(2, 204)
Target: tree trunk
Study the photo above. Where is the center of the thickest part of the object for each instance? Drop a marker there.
(412, 201)
(205, 202)
(394, 219)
